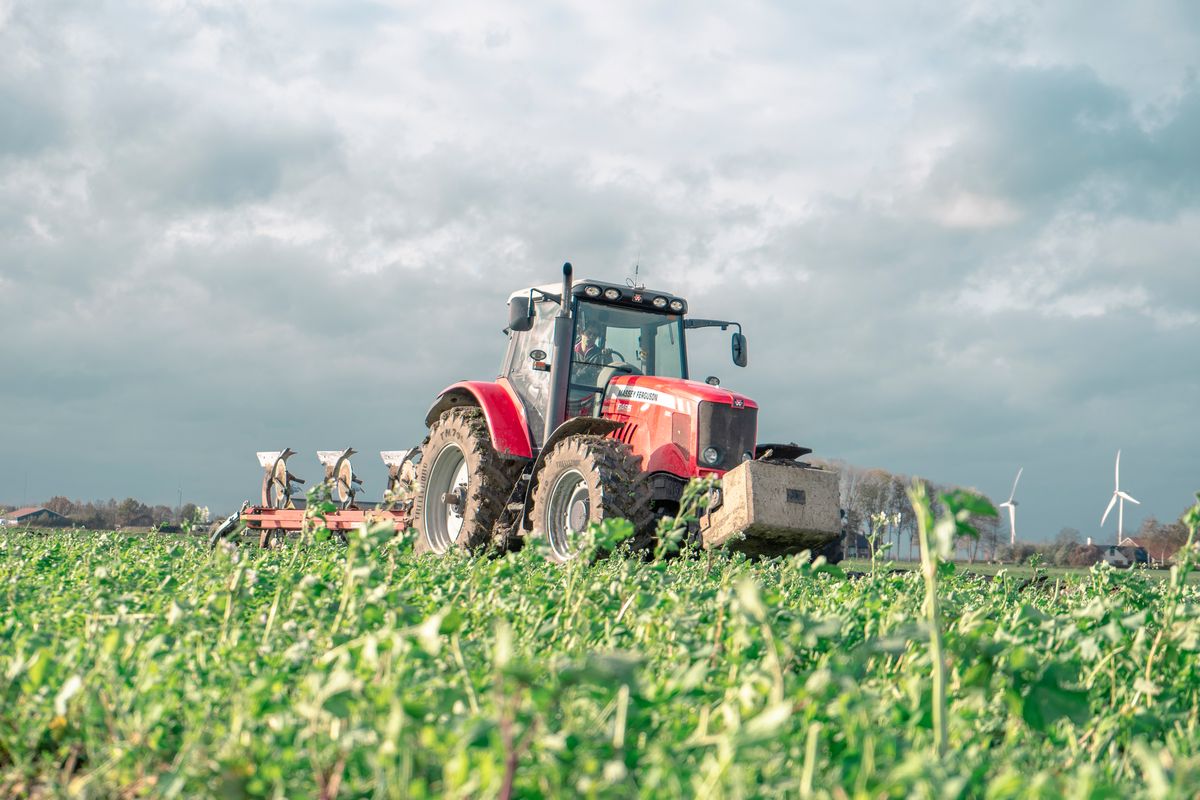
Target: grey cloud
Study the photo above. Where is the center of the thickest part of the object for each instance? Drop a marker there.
(29, 121)
(205, 160)
(1044, 135)
(217, 268)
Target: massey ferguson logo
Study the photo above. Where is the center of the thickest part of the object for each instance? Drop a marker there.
(739, 402)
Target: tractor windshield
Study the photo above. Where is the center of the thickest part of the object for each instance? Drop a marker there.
(611, 341)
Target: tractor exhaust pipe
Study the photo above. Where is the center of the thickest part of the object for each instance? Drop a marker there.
(560, 365)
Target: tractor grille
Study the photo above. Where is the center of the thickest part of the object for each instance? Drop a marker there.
(730, 430)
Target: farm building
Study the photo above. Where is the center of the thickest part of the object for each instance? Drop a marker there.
(1156, 552)
(1123, 556)
(856, 545)
(33, 515)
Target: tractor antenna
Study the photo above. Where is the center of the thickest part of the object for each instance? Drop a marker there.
(634, 283)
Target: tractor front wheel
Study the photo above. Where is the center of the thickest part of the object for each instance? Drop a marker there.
(586, 479)
(463, 484)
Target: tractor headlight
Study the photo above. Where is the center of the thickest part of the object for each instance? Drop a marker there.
(592, 291)
(677, 305)
(612, 294)
(659, 302)
(711, 456)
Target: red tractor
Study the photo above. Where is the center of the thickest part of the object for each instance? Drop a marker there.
(593, 416)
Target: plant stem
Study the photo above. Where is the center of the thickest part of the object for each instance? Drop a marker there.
(933, 615)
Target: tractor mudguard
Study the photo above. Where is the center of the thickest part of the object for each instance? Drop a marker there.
(669, 458)
(504, 414)
(596, 426)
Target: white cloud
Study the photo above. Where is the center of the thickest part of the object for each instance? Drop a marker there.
(968, 210)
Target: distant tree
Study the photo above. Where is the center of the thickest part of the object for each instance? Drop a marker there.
(1021, 551)
(60, 505)
(1161, 540)
(131, 512)
(187, 513)
(1068, 536)
(1062, 550)
(989, 536)
(1085, 555)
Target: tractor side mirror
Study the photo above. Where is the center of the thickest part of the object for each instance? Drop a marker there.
(739, 349)
(520, 316)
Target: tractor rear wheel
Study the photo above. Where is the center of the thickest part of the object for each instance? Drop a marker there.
(463, 484)
(587, 479)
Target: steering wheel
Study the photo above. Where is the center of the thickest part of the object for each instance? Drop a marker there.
(610, 371)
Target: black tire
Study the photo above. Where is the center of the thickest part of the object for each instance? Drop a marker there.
(460, 435)
(834, 552)
(593, 478)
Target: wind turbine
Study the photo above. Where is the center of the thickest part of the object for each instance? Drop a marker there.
(1011, 505)
(1118, 499)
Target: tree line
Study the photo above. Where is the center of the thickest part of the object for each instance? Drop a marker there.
(876, 505)
(1160, 540)
(112, 514)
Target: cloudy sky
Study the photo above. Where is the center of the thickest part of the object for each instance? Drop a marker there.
(962, 239)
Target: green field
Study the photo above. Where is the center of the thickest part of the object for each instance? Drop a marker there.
(152, 666)
(1016, 570)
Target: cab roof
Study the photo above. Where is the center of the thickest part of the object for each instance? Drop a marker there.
(630, 297)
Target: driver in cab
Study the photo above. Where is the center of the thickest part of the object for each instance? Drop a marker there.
(589, 358)
(588, 351)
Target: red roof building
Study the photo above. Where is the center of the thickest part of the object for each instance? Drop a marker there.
(33, 515)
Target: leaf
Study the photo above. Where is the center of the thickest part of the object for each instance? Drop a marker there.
(750, 599)
(451, 622)
(768, 722)
(944, 532)
(504, 644)
(960, 501)
(38, 667)
(1154, 773)
(830, 569)
(68, 690)
(338, 693)
(602, 669)
(1047, 703)
(338, 703)
(429, 633)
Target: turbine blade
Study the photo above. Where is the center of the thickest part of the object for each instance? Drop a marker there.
(1012, 521)
(1111, 503)
(1127, 497)
(1117, 473)
(1013, 493)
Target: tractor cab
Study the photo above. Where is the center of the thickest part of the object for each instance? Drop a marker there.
(614, 330)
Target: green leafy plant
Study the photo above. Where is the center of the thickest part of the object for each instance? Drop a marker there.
(156, 666)
(937, 538)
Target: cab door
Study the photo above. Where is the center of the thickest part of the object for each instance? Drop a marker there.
(530, 377)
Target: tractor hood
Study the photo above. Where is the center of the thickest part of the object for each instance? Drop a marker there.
(673, 393)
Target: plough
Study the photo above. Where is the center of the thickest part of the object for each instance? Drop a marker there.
(280, 510)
